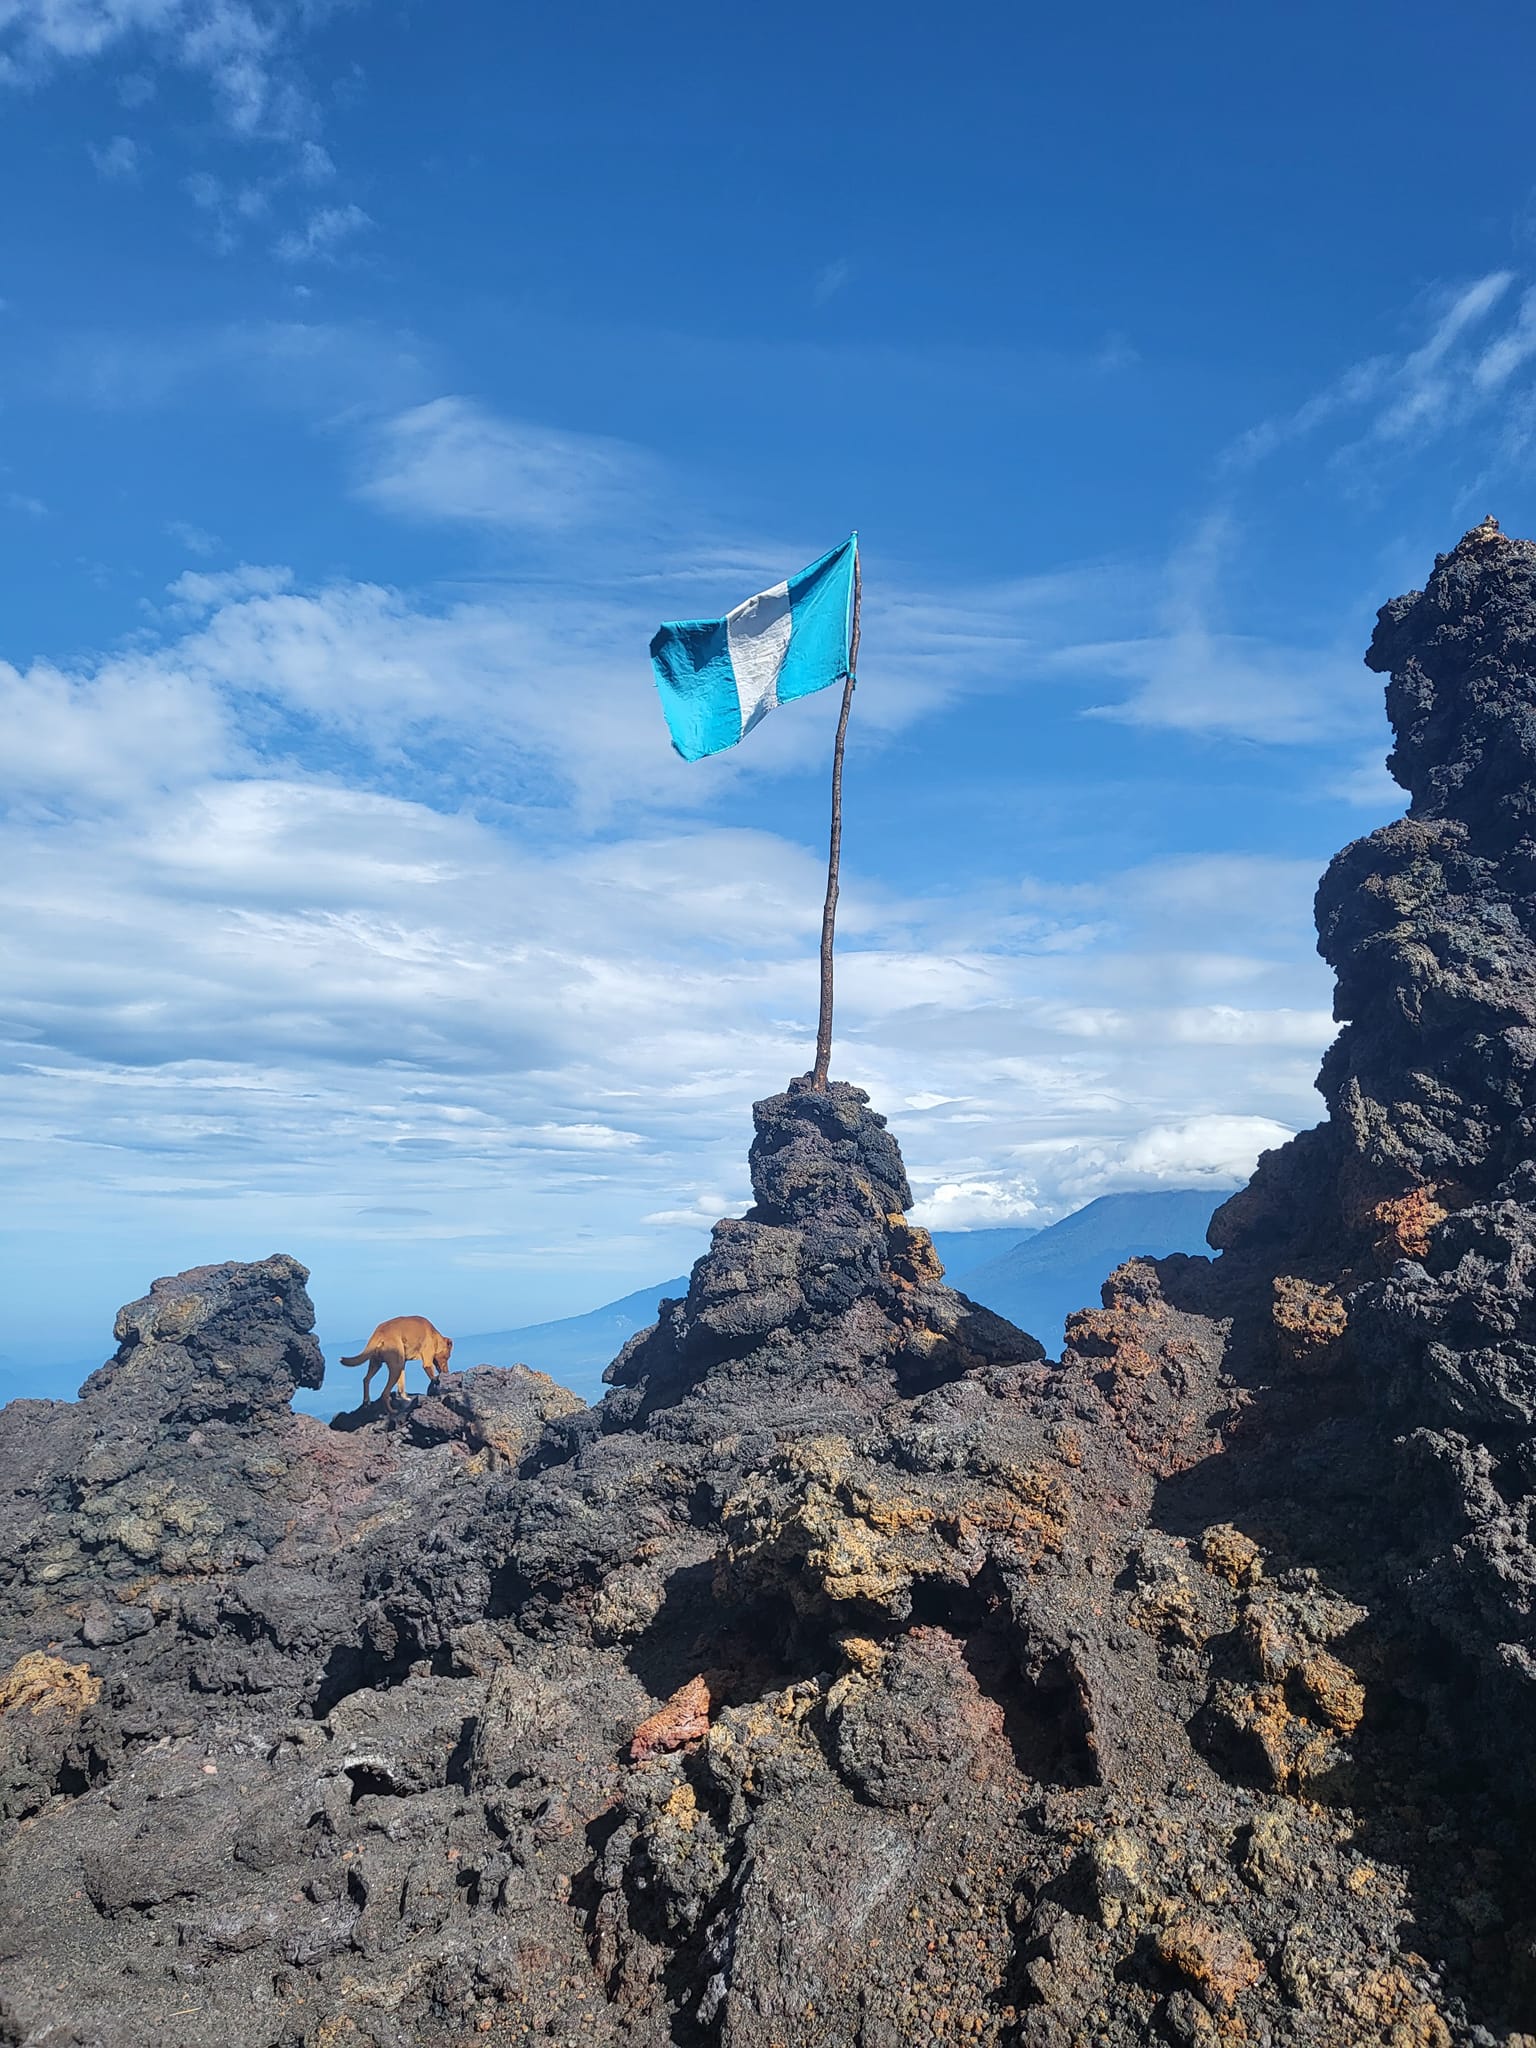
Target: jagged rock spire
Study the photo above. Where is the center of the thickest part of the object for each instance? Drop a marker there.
(823, 1280)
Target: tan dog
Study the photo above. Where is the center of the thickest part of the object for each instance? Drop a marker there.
(392, 1343)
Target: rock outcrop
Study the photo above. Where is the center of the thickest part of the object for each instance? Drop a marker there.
(853, 1673)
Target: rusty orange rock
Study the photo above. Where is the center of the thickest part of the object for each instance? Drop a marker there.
(681, 1723)
(1111, 1334)
(41, 1684)
(914, 1261)
(1231, 1555)
(1334, 1690)
(1409, 1220)
(1310, 1322)
(1216, 1962)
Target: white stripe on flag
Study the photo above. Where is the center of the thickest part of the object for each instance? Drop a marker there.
(757, 634)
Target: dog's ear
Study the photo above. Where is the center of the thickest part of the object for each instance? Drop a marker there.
(448, 1350)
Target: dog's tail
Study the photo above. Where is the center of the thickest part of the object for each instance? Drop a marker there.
(361, 1359)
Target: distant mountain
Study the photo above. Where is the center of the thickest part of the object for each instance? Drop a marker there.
(1034, 1277)
(575, 1349)
(1037, 1285)
(962, 1251)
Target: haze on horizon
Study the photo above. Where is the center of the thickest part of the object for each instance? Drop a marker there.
(376, 378)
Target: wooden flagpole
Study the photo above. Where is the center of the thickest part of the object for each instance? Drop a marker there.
(834, 856)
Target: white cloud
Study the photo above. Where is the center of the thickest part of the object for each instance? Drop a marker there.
(21, 501)
(582, 1138)
(322, 235)
(1500, 360)
(291, 366)
(244, 53)
(1403, 401)
(1368, 784)
(34, 30)
(1215, 1151)
(326, 900)
(1115, 353)
(451, 459)
(1188, 675)
(317, 990)
(1196, 680)
(976, 1204)
(1425, 391)
(1221, 1149)
(195, 539)
(314, 165)
(830, 280)
(118, 158)
(198, 590)
(131, 729)
(705, 1210)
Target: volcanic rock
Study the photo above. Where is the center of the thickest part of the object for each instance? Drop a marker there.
(852, 1673)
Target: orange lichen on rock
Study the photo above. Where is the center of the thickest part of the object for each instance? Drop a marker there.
(1283, 1749)
(680, 1724)
(1334, 1690)
(913, 1258)
(1216, 1962)
(1310, 1322)
(1388, 1999)
(1408, 1221)
(1113, 1335)
(1231, 1555)
(826, 1527)
(40, 1684)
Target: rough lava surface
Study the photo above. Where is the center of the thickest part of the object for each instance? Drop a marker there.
(853, 1674)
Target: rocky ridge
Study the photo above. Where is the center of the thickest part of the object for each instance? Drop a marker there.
(853, 1673)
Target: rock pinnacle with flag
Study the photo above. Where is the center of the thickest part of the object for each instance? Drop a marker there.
(719, 677)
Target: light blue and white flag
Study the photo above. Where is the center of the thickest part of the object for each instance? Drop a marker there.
(718, 677)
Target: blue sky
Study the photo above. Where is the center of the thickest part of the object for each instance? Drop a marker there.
(374, 378)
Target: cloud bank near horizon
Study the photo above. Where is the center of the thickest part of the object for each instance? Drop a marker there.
(387, 910)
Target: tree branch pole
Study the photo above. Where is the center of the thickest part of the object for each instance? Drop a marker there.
(834, 856)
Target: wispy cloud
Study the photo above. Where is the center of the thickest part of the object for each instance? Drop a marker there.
(246, 53)
(1403, 401)
(1115, 353)
(1195, 680)
(196, 590)
(452, 459)
(830, 280)
(1503, 357)
(119, 158)
(419, 923)
(322, 235)
(1187, 673)
(194, 539)
(1431, 381)
(562, 1001)
(294, 366)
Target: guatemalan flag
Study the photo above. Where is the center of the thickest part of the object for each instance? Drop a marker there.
(718, 677)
